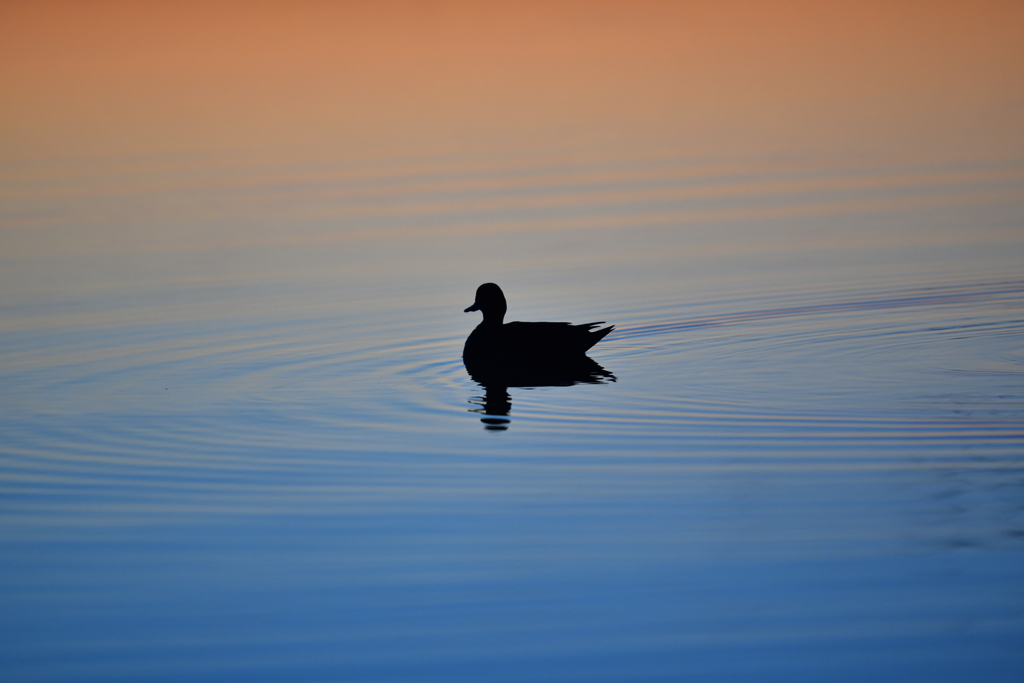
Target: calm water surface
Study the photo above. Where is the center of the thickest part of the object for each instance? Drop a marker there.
(267, 462)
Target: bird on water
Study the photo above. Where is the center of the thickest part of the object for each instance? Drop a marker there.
(495, 344)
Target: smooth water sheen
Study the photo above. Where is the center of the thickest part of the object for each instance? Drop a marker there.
(237, 440)
(268, 462)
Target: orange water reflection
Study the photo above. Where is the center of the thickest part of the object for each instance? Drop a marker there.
(369, 80)
(133, 127)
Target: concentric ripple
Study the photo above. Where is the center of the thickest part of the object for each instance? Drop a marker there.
(876, 376)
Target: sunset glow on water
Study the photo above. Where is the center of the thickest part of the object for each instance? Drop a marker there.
(237, 440)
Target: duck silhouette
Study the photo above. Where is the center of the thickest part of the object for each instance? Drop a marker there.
(519, 354)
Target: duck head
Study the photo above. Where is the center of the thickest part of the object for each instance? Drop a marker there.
(491, 302)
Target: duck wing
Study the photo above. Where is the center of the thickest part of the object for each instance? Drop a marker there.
(553, 339)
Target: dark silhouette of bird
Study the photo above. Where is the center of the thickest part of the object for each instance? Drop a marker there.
(528, 354)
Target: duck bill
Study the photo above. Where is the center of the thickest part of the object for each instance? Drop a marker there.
(474, 307)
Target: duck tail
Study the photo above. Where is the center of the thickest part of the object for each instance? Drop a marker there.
(595, 336)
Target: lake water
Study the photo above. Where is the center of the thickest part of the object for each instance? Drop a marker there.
(238, 443)
(268, 462)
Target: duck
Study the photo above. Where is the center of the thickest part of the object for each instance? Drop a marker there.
(516, 347)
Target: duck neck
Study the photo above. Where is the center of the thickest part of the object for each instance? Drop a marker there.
(494, 317)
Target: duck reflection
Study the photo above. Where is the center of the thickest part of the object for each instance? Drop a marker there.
(496, 403)
(500, 355)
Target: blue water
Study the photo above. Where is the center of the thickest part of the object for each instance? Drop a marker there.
(262, 460)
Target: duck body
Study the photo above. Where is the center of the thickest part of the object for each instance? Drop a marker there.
(522, 353)
(536, 343)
